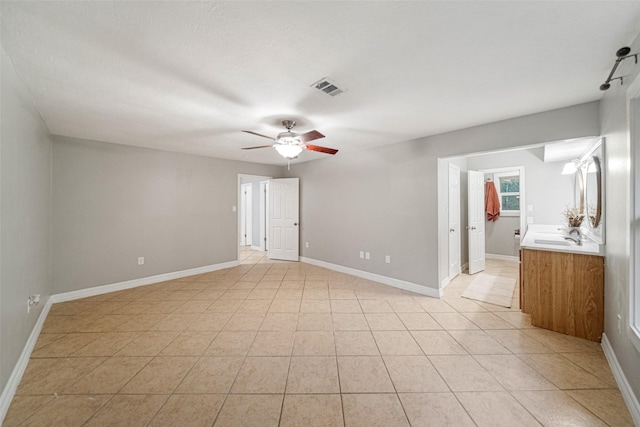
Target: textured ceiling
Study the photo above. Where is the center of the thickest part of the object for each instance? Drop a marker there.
(188, 76)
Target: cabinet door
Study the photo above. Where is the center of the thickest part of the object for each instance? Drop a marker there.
(564, 292)
(521, 284)
(588, 296)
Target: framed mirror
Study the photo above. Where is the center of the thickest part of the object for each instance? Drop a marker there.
(594, 192)
(578, 187)
(593, 175)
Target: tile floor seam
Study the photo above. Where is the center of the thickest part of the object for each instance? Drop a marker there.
(98, 410)
(464, 408)
(585, 407)
(335, 349)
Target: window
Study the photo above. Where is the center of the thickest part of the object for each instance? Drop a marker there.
(508, 187)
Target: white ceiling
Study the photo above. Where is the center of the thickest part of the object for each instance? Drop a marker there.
(188, 76)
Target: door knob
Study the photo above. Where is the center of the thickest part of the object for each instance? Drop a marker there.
(451, 230)
(295, 223)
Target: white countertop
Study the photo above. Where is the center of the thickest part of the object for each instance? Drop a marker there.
(551, 238)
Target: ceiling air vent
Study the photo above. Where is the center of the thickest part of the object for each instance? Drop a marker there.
(328, 86)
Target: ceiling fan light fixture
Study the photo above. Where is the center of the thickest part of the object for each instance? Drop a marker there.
(288, 151)
(288, 138)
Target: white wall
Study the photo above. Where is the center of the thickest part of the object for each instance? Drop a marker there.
(615, 128)
(25, 217)
(385, 200)
(114, 203)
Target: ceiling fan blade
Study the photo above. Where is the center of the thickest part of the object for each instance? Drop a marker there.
(258, 134)
(321, 149)
(261, 146)
(310, 136)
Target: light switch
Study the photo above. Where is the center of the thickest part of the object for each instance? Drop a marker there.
(362, 254)
(233, 208)
(367, 255)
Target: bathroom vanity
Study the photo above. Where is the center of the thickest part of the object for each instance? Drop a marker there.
(562, 283)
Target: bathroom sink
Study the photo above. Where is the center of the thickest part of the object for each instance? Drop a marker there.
(553, 242)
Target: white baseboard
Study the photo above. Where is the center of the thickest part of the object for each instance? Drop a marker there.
(502, 257)
(447, 279)
(256, 248)
(99, 290)
(18, 370)
(396, 283)
(625, 388)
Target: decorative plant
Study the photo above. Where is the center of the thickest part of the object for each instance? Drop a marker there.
(574, 216)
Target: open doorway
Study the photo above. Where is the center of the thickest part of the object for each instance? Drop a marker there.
(502, 236)
(253, 200)
(548, 192)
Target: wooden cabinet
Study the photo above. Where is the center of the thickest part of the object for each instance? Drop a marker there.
(563, 292)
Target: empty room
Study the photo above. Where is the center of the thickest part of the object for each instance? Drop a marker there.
(320, 213)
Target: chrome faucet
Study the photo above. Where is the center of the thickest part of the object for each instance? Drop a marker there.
(575, 230)
(576, 239)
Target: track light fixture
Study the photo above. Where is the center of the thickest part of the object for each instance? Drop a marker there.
(622, 54)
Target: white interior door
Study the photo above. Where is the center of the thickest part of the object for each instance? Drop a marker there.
(264, 203)
(246, 221)
(476, 222)
(454, 221)
(283, 219)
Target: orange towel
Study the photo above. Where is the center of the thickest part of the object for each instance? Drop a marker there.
(491, 202)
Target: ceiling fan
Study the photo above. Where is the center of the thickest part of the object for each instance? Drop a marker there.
(290, 144)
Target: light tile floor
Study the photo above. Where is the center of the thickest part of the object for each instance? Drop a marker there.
(290, 344)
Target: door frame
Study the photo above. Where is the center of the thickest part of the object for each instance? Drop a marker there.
(453, 274)
(246, 214)
(236, 207)
(264, 217)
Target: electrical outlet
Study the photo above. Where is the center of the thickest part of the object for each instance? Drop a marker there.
(619, 324)
(32, 301)
(529, 208)
(361, 254)
(529, 220)
(387, 259)
(306, 244)
(233, 209)
(140, 260)
(367, 255)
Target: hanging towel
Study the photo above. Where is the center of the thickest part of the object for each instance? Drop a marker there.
(491, 202)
